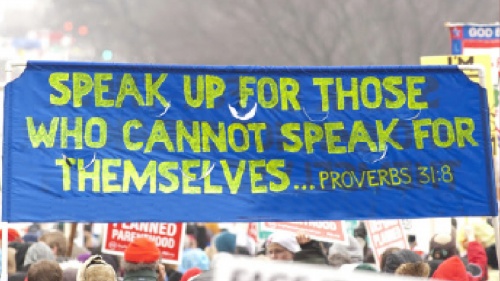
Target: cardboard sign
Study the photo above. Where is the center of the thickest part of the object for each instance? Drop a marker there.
(385, 234)
(328, 231)
(169, 238)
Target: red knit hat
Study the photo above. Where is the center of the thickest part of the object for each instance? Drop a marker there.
(190, 273)
(142, 250)
(12, 235)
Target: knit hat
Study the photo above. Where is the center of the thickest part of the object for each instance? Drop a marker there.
(194, 258)
(190, 274)
(394, 260)
(38, 251)
(351, 267)
(142, 250)
(442, 246)
(417, 269)
(285, 240)
(30, 237)
(225, 242)
(12, 235)
(95, 269)
(353, 250)
(451, 269)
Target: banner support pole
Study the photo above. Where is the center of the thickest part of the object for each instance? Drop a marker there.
(9, 66)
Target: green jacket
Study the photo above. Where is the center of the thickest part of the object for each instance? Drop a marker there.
(140, 275)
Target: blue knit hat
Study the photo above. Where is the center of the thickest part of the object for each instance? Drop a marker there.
(225, 242)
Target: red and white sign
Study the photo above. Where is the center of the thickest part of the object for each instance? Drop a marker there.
(328, 231)
(253, 231)
(385, 234)
(169, 238)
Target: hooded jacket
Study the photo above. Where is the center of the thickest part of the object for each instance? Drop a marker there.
(452, 269)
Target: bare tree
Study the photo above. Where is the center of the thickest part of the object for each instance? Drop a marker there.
(270, 32)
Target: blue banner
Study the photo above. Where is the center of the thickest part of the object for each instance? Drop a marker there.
(161, 143)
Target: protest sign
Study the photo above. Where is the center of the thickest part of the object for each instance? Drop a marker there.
(385, 234)
(246, 269)
(160, 143)
(477, 39)
(328, 231)
(168, 237)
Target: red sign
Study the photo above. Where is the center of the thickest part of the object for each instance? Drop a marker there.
(253, 231)
(385, 234)
(329, 231)
(168, 237)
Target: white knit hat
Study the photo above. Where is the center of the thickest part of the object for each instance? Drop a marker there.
(286, 240)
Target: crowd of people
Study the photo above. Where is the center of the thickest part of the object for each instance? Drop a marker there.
(42, 255)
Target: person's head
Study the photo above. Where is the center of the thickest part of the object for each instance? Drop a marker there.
(190, 274)
(451, 269)
(282, 246)
(194, 258)
(416, 269)
(442, 246)
(412, 240)
(12, 235)
(360, 231)
(45, 270)
(225, 242)
(56, 241)
(385, 254)
(96, 269)
(30, 237)
(190, 242)
(141, 253)
(38, 251)
(395, 259)
(339, 254)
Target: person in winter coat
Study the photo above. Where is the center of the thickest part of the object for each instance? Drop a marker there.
(453, 269)
(443, 246)
(142, 261)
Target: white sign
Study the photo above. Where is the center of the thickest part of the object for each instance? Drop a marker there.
(385, 234)
(247, 269)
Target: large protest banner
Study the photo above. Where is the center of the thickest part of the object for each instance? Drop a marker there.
(153, 143)
(169, 238)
